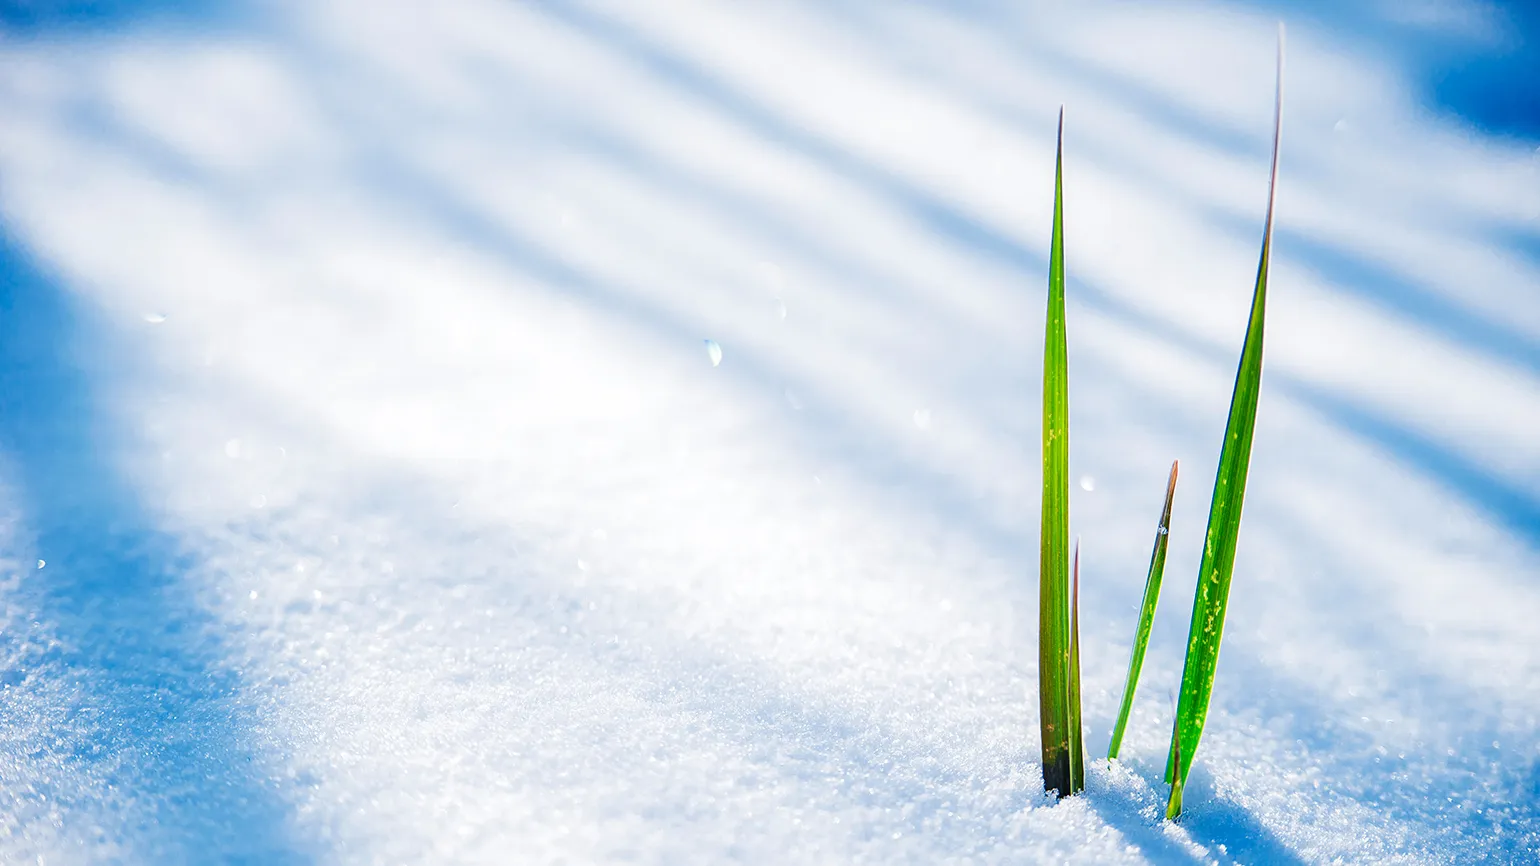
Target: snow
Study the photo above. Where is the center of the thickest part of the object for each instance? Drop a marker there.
(354, 394)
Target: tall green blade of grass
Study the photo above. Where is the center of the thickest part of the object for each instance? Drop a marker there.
(1076, 731)
(1146, 615)
(1224, 519)
(1054, 645)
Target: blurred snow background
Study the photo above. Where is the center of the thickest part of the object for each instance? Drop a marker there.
(367, 493)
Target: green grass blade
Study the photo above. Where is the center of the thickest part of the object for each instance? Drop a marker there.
(1174, 805)
(1146, 616)
(1076, 730)
(1053, 647)
(1213, 591)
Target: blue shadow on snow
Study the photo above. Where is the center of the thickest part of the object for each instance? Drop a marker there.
(34, 18)
(1477, 62)
(162, 720)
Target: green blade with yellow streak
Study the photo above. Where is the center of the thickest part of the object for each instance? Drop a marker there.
(1224, 520)
(1054, 635)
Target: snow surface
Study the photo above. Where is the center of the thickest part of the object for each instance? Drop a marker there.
(368, 492)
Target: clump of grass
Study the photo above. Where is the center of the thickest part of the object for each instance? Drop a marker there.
(1224, 519)
(1059, 601)
(1146, 615)
(1058, 657)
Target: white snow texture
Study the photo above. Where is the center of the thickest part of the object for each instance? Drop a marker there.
(367, 495)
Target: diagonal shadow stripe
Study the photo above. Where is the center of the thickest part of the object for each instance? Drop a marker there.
(165, 721)
(1514, 506)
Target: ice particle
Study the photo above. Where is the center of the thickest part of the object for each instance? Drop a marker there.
(714, 352)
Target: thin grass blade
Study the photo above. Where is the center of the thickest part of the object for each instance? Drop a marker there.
(1146, 616)
(1214, 574)
(1053, 567)
(1076, 729)
(1174, 804)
